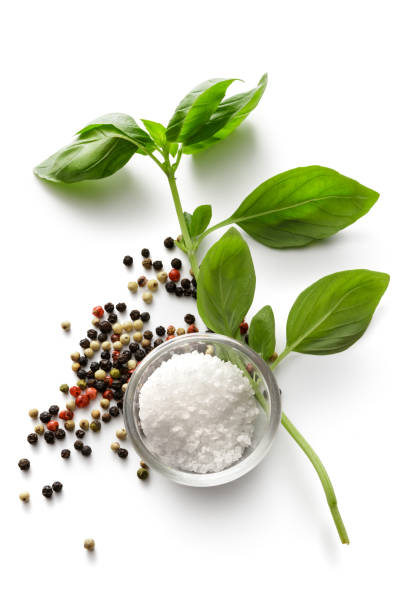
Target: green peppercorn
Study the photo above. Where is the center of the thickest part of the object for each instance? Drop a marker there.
(33, 413)
(115, 373)
(64, 388)
(95, 426)
(81, 384)
(39, 429)
(142, 473)
(69, 425)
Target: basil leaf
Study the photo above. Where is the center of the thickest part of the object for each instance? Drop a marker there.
(261, 335)
(228, 116)
(226, 284)
(157, 132)
(300, 206)
(200, 219)
(124, 124)
(196, 108)
(97, 153)
(188, 219)
(333, 313)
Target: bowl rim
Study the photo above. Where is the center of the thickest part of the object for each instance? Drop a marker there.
(237, 469)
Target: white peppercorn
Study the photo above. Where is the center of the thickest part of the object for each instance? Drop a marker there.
(70, 404)
(147, 297)
(117, 328)
(138, 324)
(132, 363)
(66, 325)
(117, 345)
(89, 544)
(115, 446)
(162, 276)
(137, 336)
(25, 496)
(152, 284)
(128, 326)
(104, 403)
(75, 366)
(121, 433)
(125, 339)
(95, 345)
(100, 374)
(75, 356)
(106, 346)
(133, 286)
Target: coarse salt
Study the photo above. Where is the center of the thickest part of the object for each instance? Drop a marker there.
(198, 412)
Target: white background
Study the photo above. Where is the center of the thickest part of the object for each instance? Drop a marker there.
(337, 96)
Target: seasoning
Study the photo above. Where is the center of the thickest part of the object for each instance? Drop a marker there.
(145, 253)
(70, 405)
(104, 403)
(158, 342)
(147, 297)
(92, 334)
(32, 438)
(162, 276)
(143, 465)
(78, 445)
(176, 263)
(95, 345)
(174, 275)
(127, 326)
(115, 446)
(84, 343)
(109, 307)
(160, 331)
(179, 292)
(80, 433)
(98, 311)
(47, 491)
(106, 417)
(170, 330)
(75, 367)
(153, 284)
(141, 281)
(114, 411)
(60, 434)
(39, 429)
(189, 319)
(96, 414)
(170, 287)
(128, 260)
(169, 242)
(113, 318)
(57, 486)
(185, 283)
(106, 326)
(45, 417)
(64, 388)
(125, 338)
(66, 325)
(157, 265)
(33, 413)
(49, 437)
(25, 497)
(84, 424)
(100, 374)
(95, 426)
(82, 401)
(89, 544)
(180, 331)
(145, 316)
(86, 451)
(137, 337)
(133, 286)
(121, 433)
(75, 356)
(65, 453)
(134, 315)
(122, 453)
(24, 464)
(192, 329)
(142, 473)
(69, 425)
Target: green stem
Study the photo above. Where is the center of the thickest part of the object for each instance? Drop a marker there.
(213, 228)
(323, 475)
(282, 356)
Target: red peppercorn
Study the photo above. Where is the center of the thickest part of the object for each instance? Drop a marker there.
(174, 275)
(75, 391)
(91, 392)
(82, 401)
(52, 425)
(98, 312)
(109, 380)
(115, 354)
(66, 415)
(170, 337)
(243, 328)
(108, 394)
(192, 329)
(115, 337)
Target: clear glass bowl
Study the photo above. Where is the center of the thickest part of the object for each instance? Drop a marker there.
(262, 379)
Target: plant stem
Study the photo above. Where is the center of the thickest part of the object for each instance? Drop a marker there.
(213, 228)
(280, 358)
(323, 475)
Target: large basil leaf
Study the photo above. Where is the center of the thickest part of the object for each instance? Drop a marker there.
(226, 284)
(196, 108)
(261, 335)
(228, 116)
(200, 219)
(126, 125)
(303, 205)
(333, 313)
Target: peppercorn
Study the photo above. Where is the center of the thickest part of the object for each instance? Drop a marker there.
(86, 451)
(57, 486)
(89, 544)
(243, 328)
(185, 283)
(69, 425)
(89, 352)
(114, 411)
(24, 464)
(82, 401)
(133, 286)
(39, 429)
(145, 316)
(95, 321)
(121, 307)
(83, 361)
(131, 364)
(192, 329)
(47, 491)
(32, 438)
(54, 409)
(140, 354)
(45, 417)
(95, 426)
(121, 433)
(97, 311)
(115, 373)
(113, 318)
(92, 334)
(52, 425)
(75, 356)
(25, 496)
(158, 342)
(64, 388)
(157, 265)
(82, 383)
(60, 434)
(109, 307)
(179, 292)
(96, 414)
(148, 334)
(85, 343)
(66, 325)
(95, 345)
(123, 453)
(142, 473)
(70, 405)
(147, 297)
(81, 374)
(174, 275)
(128, 260)
(75, 391)
(162, 277)
(106, 346)
(170, 287)
(75, 367)
(105, 327)
(84, 424)
(194, 294)
(78, 445)
(137, 337)
(189, 319)
(65, 453)
(115, 446)
(80, 433)
(133, 346)
(171, 330)
(33, 413)
(102, 337)
(176, 263)
(144, 465)
(106, 417)
(118, 395)
(180, 331)
(169, 243)
(100, 374)
(170, 337)
(141, 281)
(49, 437)
(146, 342)
(120, 405)
(152, 284)
(134, 315)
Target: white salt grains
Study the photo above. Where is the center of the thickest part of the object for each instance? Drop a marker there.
(198, 412)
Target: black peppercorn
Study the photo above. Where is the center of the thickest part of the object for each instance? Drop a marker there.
(170, 287)
(145, 317)
(78, 445)
(102, 337)
(45, 417)
(79, 433)
(128, 260)
(176, 263)
(147, 263)
(120, 405)
(105, 364)
(117, 395)
(145, 252)
(65, 453)
(92, 334)
(57, 486)
(189, 319)
(133, 346)
(106, 417)
(185, 283)
(105, 327)
(47, 491)
(105, 355)
(89, 374)
(49, 437)
(24, 464)
(86, 451)
(81, 373)
(134, 315)
(148, 334)
(148, 349)
(82, 361)
(157, 265)
(157, 342)
(194, 293)
(121, 307)
(188, 292)
(53, 410)
(85, 343)
(113, 317)
(91, 382)
(160, 331)
(179, 291)
(109, 307)
(94, 366)
(139, 354)
(169, 243)
(122, 453)
(194, 282)
(60, 434)
(101, 385)
(32, 438)
(114, 411)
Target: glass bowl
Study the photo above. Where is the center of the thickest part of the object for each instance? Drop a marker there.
(261, 378)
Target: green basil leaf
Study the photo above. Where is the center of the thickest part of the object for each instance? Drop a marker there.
(227, 117)
(261, 335)
(300, 206)
(196, 108)
(226, 284)
(188, 219)
(97, 153)
(200, 219)
(157, 132)
(124, 124)
(333, 313)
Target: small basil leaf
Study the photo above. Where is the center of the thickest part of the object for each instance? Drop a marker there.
(196, 108)
(124, 124)
(228, 116)
(188, 219)
(300, 206)
(200, 219)
(261, 335)
(157, 132)
(333, 313)
(97, 153)
(226, 284)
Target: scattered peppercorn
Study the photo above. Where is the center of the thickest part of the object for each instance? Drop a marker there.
(33, 413)
(109, 307)
(60, 434)
(121, 433)
(25, 496)
(39, 429)
(49, 437)
(147, 297)
(89, 544)
(57, 486)
(170, 287)
(162, 276)
(106, 326)
(45, 417)
(158, 342)
(169, 242)
(157, 265)
(145, 316)
(64, 388)
(189, 319)
(123, 453)
(24, 464)
(106, 417)
(86, 451)
(192, 329)
(176, 263)
(152, 285)
(78, 445)
(170, 330)
(47, 491)
(114, 411)
(145, 253)
(80, 433)
(115, 446)
(82, 401)
(32, 438)
(133, 286)
(95, 426)
(180, 331)
(69, 425)
(174, 275)
(65, 453)
(134, 315)
(112, 318)
(102, 337)
(84, 424)
(142, 473)
(121, 307)
(84, 343)
(179, 292)
(66, 325)
(128, 260)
